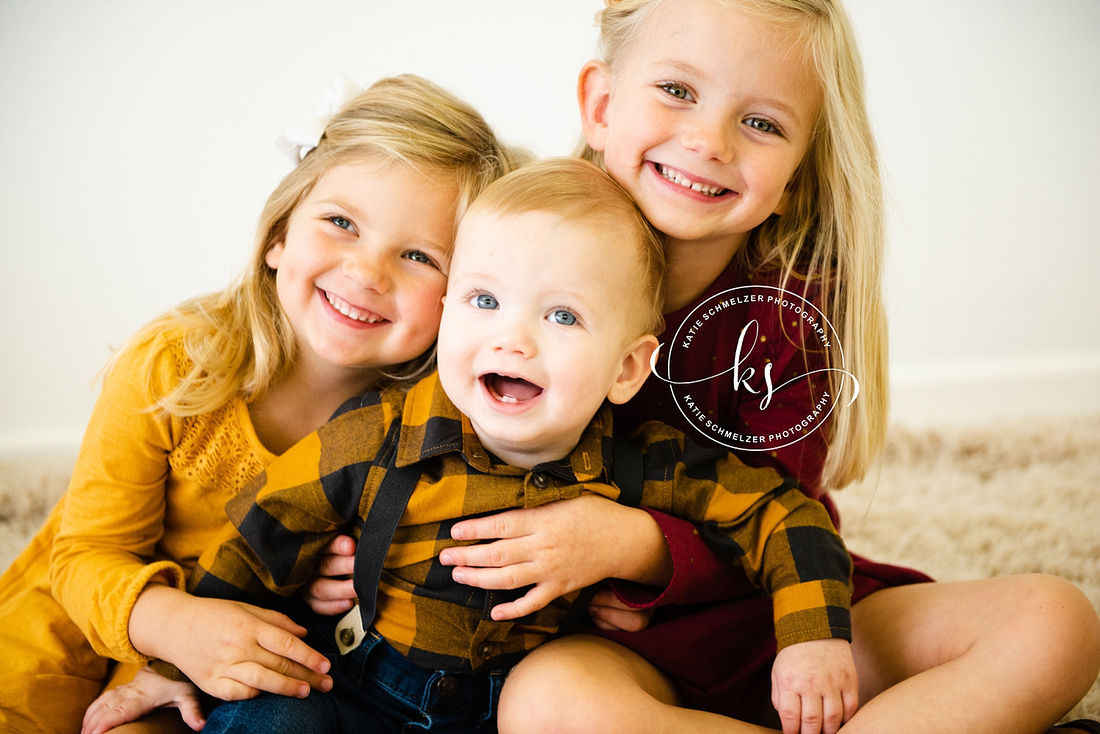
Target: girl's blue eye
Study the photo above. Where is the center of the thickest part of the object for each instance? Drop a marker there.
(565, 318)
(342, 223)
(757, 123)
(484, 300)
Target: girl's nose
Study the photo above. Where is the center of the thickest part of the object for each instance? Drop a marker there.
(711, 137)
(367, 271)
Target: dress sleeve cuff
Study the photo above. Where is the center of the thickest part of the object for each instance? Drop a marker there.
(694, 568)
(162, 572)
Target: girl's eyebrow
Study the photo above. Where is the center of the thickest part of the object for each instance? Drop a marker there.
(339, 201)
(679, 65)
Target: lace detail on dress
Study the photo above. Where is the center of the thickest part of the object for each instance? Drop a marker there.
(213, 449)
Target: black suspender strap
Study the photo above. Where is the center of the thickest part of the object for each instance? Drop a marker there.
(627, 475)
(393, 495)
(626, 470)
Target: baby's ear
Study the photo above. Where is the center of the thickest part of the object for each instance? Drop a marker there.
(593, 94)
(635, 369)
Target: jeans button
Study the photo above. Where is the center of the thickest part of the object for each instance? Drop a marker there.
(446, 685)
(347, 636)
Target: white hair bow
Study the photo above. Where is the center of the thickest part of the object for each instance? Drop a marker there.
(302, 137)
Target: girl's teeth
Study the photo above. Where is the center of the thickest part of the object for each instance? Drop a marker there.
(351, 313)
(676, 177)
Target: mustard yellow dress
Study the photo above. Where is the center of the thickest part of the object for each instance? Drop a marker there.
(147, 495)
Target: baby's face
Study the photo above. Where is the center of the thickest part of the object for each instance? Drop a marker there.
(539, 316)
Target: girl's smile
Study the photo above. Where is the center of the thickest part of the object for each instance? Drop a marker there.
(351, 312)
(707, 190)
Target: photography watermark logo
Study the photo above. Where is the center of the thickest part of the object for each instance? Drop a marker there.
(721, 317)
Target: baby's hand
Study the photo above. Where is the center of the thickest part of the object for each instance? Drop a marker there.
(555, 548)
(814, 686)
(332, 591)
(146, 692)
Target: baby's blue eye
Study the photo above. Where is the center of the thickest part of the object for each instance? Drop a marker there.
(565, 318)
(419, 257)
(484, 300)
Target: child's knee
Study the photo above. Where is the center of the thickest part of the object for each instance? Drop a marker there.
(1057, 617)
(533, 695)
(1062, 605)
(531, 699)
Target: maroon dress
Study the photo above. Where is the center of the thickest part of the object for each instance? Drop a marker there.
(745, 358)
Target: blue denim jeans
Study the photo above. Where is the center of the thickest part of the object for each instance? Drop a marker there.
(375, 689)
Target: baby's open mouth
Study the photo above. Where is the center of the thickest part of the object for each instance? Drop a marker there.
(676, 177)
(510, 389)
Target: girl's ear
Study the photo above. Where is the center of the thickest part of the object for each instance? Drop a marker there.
(593, 93)
(275, 255)
(784, 202)
(635, 370)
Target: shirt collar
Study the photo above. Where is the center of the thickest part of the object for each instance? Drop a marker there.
(432, 426)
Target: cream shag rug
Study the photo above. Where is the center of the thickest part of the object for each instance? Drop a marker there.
(1015, 497)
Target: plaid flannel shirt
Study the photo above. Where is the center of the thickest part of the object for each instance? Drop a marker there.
(325, 485)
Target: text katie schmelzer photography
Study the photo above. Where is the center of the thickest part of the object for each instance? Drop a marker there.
(750, 372)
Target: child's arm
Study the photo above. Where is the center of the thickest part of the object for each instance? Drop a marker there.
(114, 509)
(229, 649)
(552, 547)
(814, 686)
(281, 524)
(112, 555)
(783, 540)
(786, 543)
(147, 692)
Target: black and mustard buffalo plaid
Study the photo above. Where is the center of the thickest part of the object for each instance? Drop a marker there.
(326, 483)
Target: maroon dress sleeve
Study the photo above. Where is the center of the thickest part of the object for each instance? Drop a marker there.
(694, 565)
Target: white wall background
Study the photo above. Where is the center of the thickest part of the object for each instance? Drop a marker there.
(136, 150)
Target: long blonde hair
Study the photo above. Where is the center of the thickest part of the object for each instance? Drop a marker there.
(239, 341)
(832, 233)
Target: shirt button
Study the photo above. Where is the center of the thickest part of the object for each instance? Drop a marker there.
(485, 650)
(540, 480)
(347, 636)
(446, 685)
